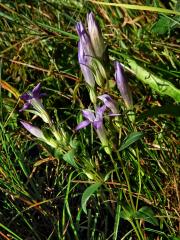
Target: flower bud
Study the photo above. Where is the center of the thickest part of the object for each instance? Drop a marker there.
(123, 86)
(39, 134)
(85, 64)
(95, 36)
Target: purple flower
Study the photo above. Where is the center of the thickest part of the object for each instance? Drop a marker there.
(33, 130)
(97, 121)
(29, 96)
(33, 98)
(122, 85)
(109, 103)
(90, 62)
(85, 64)
(85, 40)
(95, 36)
(38, 133)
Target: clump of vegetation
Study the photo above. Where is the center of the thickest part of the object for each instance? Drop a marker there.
(95, 156)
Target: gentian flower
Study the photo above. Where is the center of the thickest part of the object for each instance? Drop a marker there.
(123, 86)
(85, 40)
(38, 133)
(109, 103)
(90, 52)
(95, 36)
(97, 121)
(33, 98)
(85, 64)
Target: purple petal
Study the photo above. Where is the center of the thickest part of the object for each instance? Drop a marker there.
(32, 129)
(99, 112)
(98, 124)
(95, 35)
(114, 114)
(25, 106)
(36, 91)
(85, 40)
(109, 102)
(85, 64)
(89, 115)
(83, 124)
(26, 97)
(80, 28)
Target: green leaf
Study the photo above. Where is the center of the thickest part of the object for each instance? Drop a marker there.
(127, 213)
(69, 158)
(170, 109)
(4, 15)
(130, 139)
(166, 24)
(161, 86)
(87, 194)
(147, 214)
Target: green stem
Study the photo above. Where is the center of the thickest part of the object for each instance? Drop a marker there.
(137, 228)
(136, 231)
(139, 176)
(115, 167)
(127, 180)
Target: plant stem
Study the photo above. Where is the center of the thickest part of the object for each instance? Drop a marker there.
(137, 228)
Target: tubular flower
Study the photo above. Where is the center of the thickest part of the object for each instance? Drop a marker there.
(85, 64)
(33, 98)
(91, 51)
(38, 133)
(95, 36)
(85, 40)
(122, 85)
(97, 121)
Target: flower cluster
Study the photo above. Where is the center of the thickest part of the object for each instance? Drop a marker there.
(33, 104)
(91, 56)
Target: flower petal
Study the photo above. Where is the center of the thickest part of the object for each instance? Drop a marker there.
(33, 130)
(26, 97)
(88, 114)
(25, 106)
(83, 124)
(97, 124)
(99, 112)
(85, 64)
(36, 91)
(80, 28)
(85, 40)
(95, 36)
(109, 102)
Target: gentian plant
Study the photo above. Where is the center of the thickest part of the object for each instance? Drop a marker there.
(96, 119)
(92, 46)
(91, 57)
(33, 104)
(91, 52)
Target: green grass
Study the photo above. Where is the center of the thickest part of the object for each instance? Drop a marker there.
(78, 191)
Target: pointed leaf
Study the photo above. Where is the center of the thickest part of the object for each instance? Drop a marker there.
(87, 194)
(69, 158)
(162, 86)
(147, 214)
(130, 139)
(127, 213)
